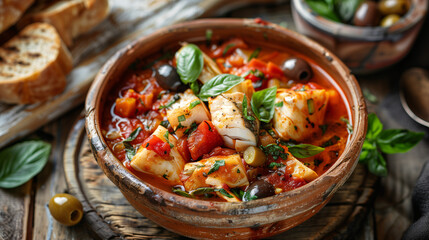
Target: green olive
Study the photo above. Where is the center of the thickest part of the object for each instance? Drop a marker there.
(399, 7)
(66, 209)
(389, 20)
(254, 156)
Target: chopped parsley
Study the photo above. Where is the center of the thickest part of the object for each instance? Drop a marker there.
(165, 124)
(310, 106)
(194, 104)
(323, 128)
(254, 54)
(275, 151)
(133, 135)
(333, 140)
(349, 125)
(165, 176)
(202, 191)
(279, 104)
(167, 139)
(181, 118)
(275, 165)
(192, 128)
(216, 165)
(176, 97)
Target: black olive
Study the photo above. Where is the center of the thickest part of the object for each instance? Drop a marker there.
(167, 77)
(367, 15)
(297, 69)
(259, 189)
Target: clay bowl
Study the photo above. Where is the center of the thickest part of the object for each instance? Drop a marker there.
(218, 220)
(362, 49)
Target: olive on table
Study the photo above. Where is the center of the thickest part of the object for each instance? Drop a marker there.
(399, 7)
(389, 20)
(254, 156)
(259, 189)
(297, 69)
(367, 15)
(66, 209)
(168, 78)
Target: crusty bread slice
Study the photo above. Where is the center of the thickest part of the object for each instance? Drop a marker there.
(33, 65)
(71, 18)
(11, 11)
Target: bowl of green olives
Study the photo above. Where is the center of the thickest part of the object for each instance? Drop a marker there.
(367, 35)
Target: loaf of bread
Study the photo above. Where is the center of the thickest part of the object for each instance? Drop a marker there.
(71, 18)
(11, 11)
(33, 65)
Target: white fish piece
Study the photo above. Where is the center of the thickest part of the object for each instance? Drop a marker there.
(150, 162)
(228, 118)
(301, 113)
(230, 172)
(183, 109)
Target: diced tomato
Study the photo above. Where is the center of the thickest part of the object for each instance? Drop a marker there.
(144, 102)
(260, 21)
(219, 151)
(182, 147)
(285, 181)
(126, 107)
(203, 140)
(274, 71)
(155, 144)
(257, 64)
(228, 47)
(235, 60)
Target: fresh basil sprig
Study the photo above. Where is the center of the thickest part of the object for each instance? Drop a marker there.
(218, 85)
(388, 141)
(335, 10)
(263, 104)
(22, 161)
(190, 62)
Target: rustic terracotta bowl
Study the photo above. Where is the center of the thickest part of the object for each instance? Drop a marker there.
(218, 220)
(362, 49)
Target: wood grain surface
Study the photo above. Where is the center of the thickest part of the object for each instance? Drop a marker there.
(341, 218)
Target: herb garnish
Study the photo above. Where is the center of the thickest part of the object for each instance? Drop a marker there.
(192, 128)
(304, 150)
(333, 140)
(244, 106)
(388, 141)
(227, 48)
(166, 135)
(279, 104)
(349, 125)
(181, 118)
(130, 150)
(190, 62)
(216, 165)
(202, 191)
(223, 192)
(133, 135)
(179, 191)
(194, 104)
(176, 97)
(310, 106)
(274, 150)
(209, 34)
(263, 104)
(275, 164)
(254, 54)
(22, 161)
(218, 85)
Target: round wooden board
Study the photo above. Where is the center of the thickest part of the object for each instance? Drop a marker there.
(109, 216)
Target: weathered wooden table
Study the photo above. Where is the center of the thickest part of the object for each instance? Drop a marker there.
(24, 212)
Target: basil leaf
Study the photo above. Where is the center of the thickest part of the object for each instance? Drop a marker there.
(218, 85)
(216, 165)
(254, 54)
(202, 191)
(189, 60)
(244, 106)
(398, 140)
(304, 150)
(346, 9)
(224, 192)
(195, 87)
(324, 9)
(238, 192)
(377, 164)
(133, 135)
(263, 104)
(374, 126)
(250, 195)
(130, 150)
(22, 161)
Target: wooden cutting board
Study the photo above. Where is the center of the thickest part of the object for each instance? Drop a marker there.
(128, 19)
(108, 215)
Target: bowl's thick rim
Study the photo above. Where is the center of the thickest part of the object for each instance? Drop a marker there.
(415, 15)
(126, 181)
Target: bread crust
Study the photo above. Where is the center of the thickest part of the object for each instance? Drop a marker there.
(41, 84)
(71, 18)
(11, 11)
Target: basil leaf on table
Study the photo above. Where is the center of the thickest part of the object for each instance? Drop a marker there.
(374, 126)
(189, 61)
(218, 85)
(304, 150)
(377, 164)
(263, 104)
(398, 140)
(22, 161)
